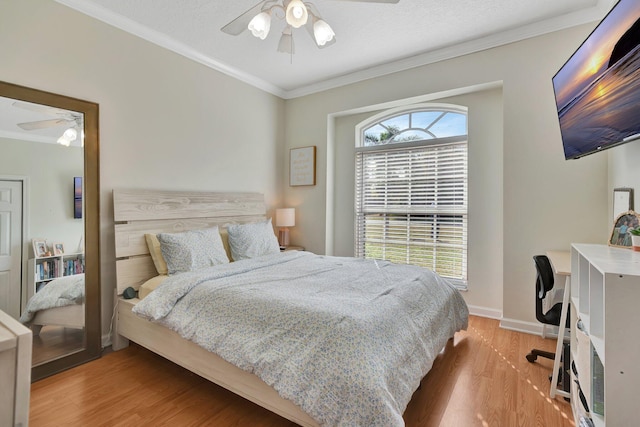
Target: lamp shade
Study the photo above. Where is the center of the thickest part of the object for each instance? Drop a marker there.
(260, 25)
(68, 137)
(285, 217)
(296, 14)
(322, 32)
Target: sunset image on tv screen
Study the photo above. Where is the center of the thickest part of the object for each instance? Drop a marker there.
(598, 89)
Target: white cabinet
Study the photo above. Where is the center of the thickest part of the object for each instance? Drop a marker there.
(15, 371)
(42, 270)
(605, 298)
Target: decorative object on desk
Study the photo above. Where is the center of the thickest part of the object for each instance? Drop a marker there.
(622, 201)
(620, 235)
(302, 166)
(635, 238)
(58, 249)
(39, 247)
(285, 217)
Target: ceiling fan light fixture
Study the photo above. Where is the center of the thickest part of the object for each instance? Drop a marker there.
(260, 25)
(69, 135)
(296, 14)
(322, 32)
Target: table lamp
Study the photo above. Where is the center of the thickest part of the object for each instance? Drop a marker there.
(285, 217)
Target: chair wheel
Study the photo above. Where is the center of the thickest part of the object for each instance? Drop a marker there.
(531, 357)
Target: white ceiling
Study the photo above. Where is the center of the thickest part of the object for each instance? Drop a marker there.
(12, 113)
(372, 38)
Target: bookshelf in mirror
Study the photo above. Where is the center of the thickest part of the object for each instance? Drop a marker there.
(43, 270)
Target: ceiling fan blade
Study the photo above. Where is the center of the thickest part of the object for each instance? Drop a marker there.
(42, 124)
(38, 108)
(240, 24)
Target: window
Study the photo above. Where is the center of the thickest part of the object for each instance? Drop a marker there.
(411, 190)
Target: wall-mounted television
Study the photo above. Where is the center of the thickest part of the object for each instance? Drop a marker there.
(598, 89)
(77, 197)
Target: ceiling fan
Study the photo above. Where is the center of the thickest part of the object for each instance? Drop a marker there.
(296, 14)
(73, 121)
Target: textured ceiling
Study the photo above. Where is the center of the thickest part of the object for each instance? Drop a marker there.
(372, 38)
(11, 115)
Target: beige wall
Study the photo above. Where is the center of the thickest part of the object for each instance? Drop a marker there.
(547, 202)
(624, 171)
(165, 121)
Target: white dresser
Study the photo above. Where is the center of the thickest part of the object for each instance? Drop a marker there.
(15, 371)
(605, 296)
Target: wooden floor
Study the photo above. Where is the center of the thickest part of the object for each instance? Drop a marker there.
(482, 379)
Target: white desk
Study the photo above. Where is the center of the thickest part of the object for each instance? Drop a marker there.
(15, 371)
(561, 263)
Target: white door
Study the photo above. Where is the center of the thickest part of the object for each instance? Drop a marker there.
(10, 247)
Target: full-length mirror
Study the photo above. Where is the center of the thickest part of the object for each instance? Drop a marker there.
(49, 234)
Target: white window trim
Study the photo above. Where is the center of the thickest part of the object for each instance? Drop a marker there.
(359, 142)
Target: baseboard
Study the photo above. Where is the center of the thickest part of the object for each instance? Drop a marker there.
(534, 328)
(490, 313)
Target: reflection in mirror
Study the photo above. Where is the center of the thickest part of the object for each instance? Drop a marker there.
(49, 146)
(42, 143)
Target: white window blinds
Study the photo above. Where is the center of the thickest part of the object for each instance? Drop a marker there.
(411, 205)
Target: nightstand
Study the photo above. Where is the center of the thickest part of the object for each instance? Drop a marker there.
(291, 248)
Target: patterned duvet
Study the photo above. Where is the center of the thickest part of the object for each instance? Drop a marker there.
(347, 340)
(60, 292)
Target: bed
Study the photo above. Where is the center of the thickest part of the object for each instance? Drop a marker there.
(283, 373)
(59, 303)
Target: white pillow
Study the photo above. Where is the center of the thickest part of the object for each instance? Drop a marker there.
(252, 240)
(192, 250)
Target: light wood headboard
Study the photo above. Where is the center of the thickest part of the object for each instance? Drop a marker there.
(137, 212)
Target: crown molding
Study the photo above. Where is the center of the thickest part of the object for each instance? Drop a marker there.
(569, 20)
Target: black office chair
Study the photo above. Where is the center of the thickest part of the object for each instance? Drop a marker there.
(544, 283)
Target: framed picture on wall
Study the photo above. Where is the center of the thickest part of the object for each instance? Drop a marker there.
(622, 201)
(302, 166)
(77, 197)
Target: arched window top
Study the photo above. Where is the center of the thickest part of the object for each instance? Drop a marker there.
(416, 125)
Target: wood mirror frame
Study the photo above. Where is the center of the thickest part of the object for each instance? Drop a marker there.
(93, 332)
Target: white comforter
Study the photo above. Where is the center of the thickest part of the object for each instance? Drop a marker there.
(59, 292)
(348, 340)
